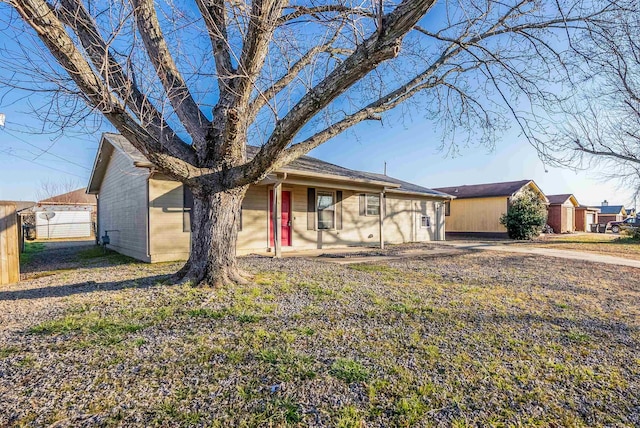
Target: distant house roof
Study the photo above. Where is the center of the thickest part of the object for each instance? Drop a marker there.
(612, 209)
(487, 190)
(588, 208)
(304, 166)
(561, 199)
(75, 197)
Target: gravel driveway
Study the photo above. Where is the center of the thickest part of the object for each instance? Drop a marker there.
(54, 255)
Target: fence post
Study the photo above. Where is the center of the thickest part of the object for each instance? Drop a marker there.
(9, 251)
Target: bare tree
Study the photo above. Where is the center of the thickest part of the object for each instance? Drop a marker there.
(601, 121)
(50, 188)
(190, 87)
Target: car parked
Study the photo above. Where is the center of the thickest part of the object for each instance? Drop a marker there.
(617, 226)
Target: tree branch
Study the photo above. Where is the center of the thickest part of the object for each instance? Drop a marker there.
(264, 96)
(262, 23)
(300, 11)
(74, 14)
(39, 15)
(379, 47)
(213, 13)
(174, 85)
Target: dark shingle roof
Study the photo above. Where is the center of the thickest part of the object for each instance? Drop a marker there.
(558, 199)
(611, 209)
(302, 165)
(484, 190)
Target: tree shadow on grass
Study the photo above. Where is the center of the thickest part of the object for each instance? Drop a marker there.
(83, 288)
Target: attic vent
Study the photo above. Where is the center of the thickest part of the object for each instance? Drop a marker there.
(605, 203)
(456, 191)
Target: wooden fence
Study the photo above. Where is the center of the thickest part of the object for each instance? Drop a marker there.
(9, 253)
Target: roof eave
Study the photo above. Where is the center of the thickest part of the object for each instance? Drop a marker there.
(334, 177)
(432, 195)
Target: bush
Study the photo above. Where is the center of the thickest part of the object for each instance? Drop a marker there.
(525, 217)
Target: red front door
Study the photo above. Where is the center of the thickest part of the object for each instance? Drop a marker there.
(286, 219)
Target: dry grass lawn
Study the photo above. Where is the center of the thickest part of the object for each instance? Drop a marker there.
(609, 244)
(478, 339)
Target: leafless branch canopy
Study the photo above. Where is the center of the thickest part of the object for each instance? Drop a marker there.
(191, 86)
(601, 122)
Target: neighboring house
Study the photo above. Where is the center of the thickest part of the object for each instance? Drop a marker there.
(70, 215)
(610, 213)
(631, 212)
(585, 217)
(146, 214)
(562, 213)
(477, 208)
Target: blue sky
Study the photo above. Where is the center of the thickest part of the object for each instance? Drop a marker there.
(409, 147)
(410, 150)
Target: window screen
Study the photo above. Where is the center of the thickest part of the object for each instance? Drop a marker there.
(326, 210)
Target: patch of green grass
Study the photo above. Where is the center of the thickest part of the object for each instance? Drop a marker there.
(246, 318)
(30, 250)
(287, 364)
(349, 371)
(207, 313)
(350, 417)
(98, 252)
(577, 336)
(371, 268)
(410, 410)
(8, 351)
(102, 329)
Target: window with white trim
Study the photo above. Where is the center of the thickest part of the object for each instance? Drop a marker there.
(425, 221)
(372, 204)
(325, 207)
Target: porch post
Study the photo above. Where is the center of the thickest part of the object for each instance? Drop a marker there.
(277, 230)
(381, 222)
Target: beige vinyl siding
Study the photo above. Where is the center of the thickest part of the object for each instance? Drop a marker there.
(168, 240)
(356, 229)
(477, 215)
(122, 207)
(403, 221)
(254, 235)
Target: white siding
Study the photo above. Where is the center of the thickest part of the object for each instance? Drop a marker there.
(63, 224)
(123, 206)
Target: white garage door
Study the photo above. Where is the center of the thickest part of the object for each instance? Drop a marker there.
(63, 224)
(591, 219)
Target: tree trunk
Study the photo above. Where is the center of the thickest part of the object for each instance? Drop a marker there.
(214, 234)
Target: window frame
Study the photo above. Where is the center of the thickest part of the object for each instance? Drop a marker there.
(447, 208)
(332, 193)
(422, 218)
(366, 204)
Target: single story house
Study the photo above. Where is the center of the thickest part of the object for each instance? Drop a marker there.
(70, 215)
(477, 208)
(562, 213)
(611, 213)
(320, 205)
(585, 217)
